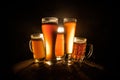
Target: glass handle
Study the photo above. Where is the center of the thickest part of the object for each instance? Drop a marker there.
(30, 46)
(90, 51)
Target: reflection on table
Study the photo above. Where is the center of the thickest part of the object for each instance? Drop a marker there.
(28, 70)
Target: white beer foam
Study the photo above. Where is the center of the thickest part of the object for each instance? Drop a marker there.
(37, 36)
(80, 40)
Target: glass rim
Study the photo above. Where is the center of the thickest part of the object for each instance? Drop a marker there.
(66, 19)
(36, 35)
(80, 39)
(49, 19)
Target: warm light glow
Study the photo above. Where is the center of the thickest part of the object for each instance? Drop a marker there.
(60, 30)
(58, 58)
(48, 62)
(36, 60)
(69, 62)
(41, 36)
(48, 50)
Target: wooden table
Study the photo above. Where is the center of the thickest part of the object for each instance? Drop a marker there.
(28, 70)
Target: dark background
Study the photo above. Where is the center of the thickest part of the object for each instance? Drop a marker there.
(94, 21)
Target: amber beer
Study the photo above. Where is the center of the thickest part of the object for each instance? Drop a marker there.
(79, 48)
(70, 27)
(49, 29)
(37, 46)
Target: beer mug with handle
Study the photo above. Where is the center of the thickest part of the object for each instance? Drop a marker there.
(81, 49)
(37, 46)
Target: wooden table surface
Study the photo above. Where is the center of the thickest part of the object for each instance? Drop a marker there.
(28, 70)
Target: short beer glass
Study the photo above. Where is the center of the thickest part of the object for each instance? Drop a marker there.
(81, 49)
(37, 47)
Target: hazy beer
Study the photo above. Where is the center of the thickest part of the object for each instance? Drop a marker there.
(49, 29)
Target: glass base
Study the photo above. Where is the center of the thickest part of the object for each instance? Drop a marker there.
(69, 62)
(78, 59)
(68, 59)
(59, 58)
(38, 60)
(50, 62)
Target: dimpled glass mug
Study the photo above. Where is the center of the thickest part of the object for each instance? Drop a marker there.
(37, 46)
(81, 49)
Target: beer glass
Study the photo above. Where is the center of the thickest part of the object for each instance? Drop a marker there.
(37, 47)
(81, 49)
(49, 29)
(59, 48)
(70, 27)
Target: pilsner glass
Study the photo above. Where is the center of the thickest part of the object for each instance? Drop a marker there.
(59, 48)
(49, 29)
(70, 27)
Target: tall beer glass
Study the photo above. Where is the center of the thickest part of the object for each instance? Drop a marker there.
(70, 27)
(59, 48)
(49, 29)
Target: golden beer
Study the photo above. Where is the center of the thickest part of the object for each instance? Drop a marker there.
(70, 27)
(59, 48)
(37, 47)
